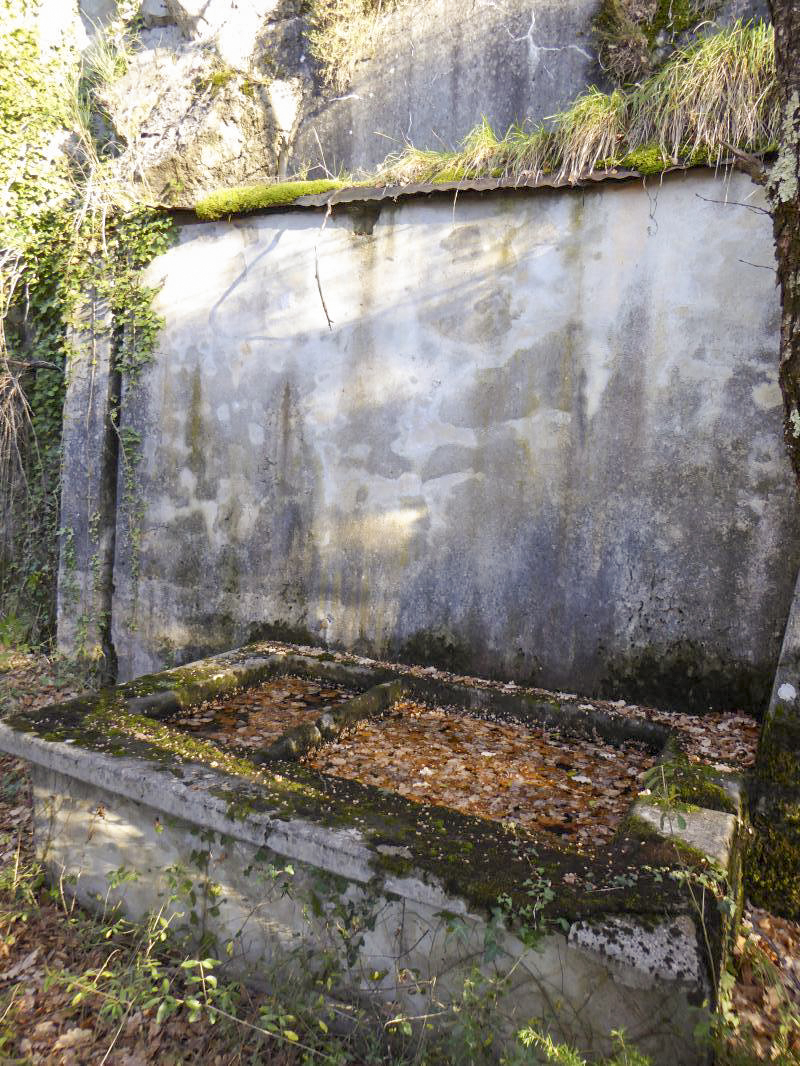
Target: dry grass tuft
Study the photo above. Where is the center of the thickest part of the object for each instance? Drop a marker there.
(719, 91)
(419, 164)
(342, 32)
(623, 47)
(590, 131)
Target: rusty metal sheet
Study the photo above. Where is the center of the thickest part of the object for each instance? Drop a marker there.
(377, 193)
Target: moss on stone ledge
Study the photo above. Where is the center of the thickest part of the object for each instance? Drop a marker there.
(649, 159)
(474, 859)
(246, 198)
(677, 781)
(773, 862)
(700, 792)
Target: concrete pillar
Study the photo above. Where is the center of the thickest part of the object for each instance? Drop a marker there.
(88, 491)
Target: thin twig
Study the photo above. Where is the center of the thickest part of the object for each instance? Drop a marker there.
(35, 364)
(761, 266)
(780, 955)
(266, 1032)
(316, 269)
(734, 203)
(116, 1035)
(750, 164)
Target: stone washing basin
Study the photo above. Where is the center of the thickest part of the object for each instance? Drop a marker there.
(408, 897)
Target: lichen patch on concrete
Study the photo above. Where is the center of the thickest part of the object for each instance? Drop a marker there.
(669, 950)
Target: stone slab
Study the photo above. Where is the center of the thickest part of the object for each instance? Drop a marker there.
(712, 832)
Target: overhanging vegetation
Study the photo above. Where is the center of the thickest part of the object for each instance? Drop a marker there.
(254, 197)
(716, 94)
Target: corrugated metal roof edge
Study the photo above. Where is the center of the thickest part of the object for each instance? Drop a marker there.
(379, 193)
(368, 193)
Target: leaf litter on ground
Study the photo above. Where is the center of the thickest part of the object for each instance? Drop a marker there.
(727, 739)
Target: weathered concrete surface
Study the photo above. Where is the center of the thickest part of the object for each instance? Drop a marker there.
(517, 448)
(712, 832)
(88, 500)
(651, 980)
(786, 685)
(774, 859)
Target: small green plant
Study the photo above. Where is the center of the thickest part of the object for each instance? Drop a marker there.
(216, 79)
(530, 922)
(677, 784)
(15, 631)
(623, 1054)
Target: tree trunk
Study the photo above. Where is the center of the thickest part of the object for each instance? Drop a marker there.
(783, 190)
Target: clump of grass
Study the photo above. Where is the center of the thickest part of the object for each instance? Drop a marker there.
(341, 32)
(419, 164)
(623, 48)
(717, 93)
(481, 150)
(592, 129)
(246, 198)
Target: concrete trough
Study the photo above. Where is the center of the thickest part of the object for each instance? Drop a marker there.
(295, 867)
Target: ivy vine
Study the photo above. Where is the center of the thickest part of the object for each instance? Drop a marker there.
(65, 233)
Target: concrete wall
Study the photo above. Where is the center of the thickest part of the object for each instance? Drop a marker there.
(88, 506)
(541, 438)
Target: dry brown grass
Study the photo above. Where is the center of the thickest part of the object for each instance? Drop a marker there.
(623, 47)
(342, 32)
